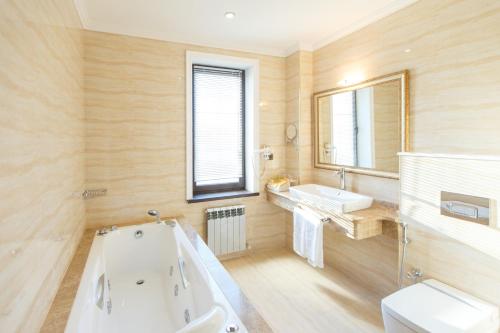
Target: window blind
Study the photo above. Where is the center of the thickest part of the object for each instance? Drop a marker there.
(218, 129)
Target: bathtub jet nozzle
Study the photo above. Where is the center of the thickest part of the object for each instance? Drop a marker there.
(153, 212)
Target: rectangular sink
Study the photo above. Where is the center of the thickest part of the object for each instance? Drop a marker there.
(330, 198)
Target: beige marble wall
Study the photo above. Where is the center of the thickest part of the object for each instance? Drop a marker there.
(454, 72)
(42, 160)
(325, 130)
(463, 254)
(132, 102)
(387, 128)
(355, 258)
(305, 116)
(298, 105)
(135, 143)
(292, 116)
(371, 262)
(454, 77)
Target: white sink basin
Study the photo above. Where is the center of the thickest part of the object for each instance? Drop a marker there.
(330, 198)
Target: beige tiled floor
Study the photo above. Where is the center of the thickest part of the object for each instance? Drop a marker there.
(294, 297)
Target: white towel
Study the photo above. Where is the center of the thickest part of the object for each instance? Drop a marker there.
(308, 235)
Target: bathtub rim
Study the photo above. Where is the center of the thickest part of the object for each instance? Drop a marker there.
(219, 297)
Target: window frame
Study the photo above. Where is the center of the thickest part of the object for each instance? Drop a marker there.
(252, 134)
(219, 188)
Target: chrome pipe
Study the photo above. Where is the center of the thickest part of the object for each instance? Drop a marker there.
(404, 240)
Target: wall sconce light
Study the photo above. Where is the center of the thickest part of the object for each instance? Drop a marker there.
(351, 79)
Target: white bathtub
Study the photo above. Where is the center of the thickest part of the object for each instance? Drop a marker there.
(111, 297)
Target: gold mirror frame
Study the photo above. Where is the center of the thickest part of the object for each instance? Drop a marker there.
(403, 76)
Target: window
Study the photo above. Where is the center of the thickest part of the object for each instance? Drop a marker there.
(218, 129)
(222, 127)
(343, 122)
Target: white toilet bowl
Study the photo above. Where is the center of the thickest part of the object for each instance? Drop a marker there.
(432, 306)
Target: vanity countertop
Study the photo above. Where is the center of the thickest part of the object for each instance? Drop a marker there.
(357, 225)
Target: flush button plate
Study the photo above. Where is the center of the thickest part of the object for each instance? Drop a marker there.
(466, 207)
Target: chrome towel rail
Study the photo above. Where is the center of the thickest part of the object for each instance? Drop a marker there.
(88, 194)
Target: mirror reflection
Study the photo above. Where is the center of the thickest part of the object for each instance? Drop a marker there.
(360, 128)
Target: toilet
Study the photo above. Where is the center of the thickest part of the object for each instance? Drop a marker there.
(432, 306)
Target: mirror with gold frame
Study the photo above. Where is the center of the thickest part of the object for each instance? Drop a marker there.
(362, 127)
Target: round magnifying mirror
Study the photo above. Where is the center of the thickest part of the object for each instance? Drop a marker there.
(291, 132)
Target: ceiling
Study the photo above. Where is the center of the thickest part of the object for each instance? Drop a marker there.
(274, 27)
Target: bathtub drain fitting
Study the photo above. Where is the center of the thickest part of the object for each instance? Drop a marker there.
(138, 234)
(139, 282)
(232, 328)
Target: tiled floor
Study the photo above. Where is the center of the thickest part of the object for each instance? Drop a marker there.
(294, 297)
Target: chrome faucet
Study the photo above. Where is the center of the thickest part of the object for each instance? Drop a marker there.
(341, 172)
(105, 230)
(153, 212)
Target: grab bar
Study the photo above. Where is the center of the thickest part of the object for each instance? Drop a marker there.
(185, 282)
(99, 292)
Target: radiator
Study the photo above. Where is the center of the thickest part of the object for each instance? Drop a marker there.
(226, 229)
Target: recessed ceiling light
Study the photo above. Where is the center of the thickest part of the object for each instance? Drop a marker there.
(229, 15)
(407, 50)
